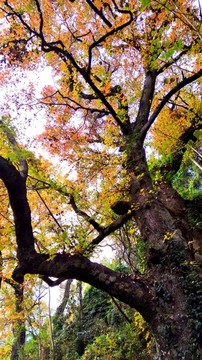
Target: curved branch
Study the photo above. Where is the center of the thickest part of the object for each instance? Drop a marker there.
(131, 290)
(64, 266)
(167, 97)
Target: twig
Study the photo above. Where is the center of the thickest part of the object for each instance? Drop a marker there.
(120, 310)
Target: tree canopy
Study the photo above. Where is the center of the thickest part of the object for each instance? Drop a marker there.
(123, 120)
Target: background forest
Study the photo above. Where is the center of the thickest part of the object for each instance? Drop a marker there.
(100, 170)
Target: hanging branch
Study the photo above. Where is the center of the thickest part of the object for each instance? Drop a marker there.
(120, 310)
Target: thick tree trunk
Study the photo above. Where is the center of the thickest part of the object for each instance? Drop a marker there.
(176, 278)
(169, 296)
(177, 324)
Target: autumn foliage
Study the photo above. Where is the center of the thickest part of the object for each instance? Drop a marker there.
(120, 119)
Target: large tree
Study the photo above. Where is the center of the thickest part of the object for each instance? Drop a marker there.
(119, 68)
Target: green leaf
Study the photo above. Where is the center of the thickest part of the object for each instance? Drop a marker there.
(170, 52)
(145, 3)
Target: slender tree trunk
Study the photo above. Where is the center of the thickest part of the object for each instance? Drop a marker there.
(52, 348)
(17, 352)
(58, 320)
(80, 342)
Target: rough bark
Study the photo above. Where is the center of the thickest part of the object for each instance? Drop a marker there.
(18, 325)
(169, 297)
